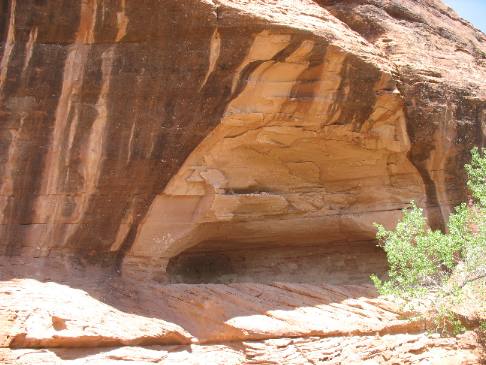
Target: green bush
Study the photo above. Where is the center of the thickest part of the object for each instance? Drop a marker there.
(476, 172)
(419, 259)
(424, 262)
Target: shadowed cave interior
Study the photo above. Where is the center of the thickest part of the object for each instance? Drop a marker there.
(332, 263)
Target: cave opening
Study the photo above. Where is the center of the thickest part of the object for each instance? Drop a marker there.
(338, 263)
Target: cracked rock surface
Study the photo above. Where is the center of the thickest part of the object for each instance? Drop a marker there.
(110, 320)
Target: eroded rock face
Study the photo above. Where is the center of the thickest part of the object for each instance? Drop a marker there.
(441, 62)
(237, 152)
(146, 129)
(323, 142)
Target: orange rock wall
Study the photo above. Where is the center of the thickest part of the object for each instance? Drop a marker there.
(137, 130)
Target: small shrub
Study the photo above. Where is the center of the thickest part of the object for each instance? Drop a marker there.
(419, 259)
(476, 172)
(446, 322)
(423, 262)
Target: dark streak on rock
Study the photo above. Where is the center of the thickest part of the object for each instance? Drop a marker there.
(195, 112)
(421, 130)
(32, 126)
(4, 19)
(359, 78)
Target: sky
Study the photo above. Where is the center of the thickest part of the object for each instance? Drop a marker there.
(472, 10)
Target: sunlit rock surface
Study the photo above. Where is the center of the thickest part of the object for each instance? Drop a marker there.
(203, 175)
(110, 320)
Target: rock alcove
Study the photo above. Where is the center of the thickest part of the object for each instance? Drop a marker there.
(332, 263)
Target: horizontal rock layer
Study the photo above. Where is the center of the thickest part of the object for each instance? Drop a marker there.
(109, 320)
(390, 349)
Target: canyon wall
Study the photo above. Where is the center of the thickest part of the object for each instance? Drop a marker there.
(134, 131)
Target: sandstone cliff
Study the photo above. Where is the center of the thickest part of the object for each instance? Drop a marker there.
(235, 143)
